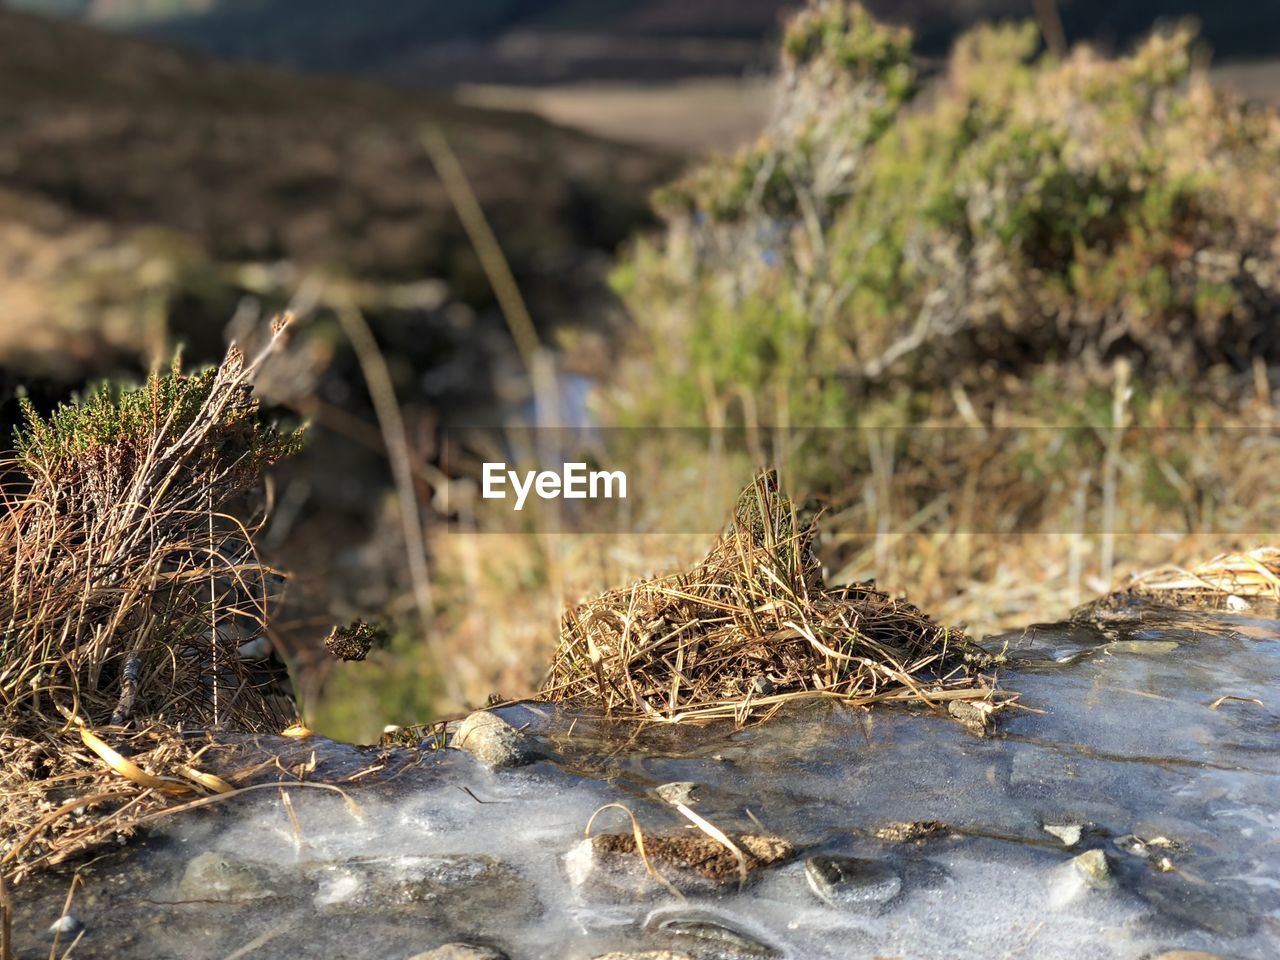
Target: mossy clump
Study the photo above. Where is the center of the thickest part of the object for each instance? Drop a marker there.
(131, 586)
(96, 448)
(354, 641)
(1229, 581)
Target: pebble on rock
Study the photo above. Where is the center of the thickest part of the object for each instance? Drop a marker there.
(66, 926)
(493, 741)
(1094, 867)
(1068, 833)
(460, 951)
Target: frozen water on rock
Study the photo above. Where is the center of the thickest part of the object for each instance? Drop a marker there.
(1167, 795)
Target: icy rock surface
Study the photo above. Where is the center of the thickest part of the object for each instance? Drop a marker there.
(1136, 815)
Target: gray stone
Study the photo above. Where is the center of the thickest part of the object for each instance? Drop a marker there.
(644, 955)
(1094, 867)
(853, 881)
(216, 876)
(681, 791)
(493, 741)
(460, 951)
(708, 930)
(65, 926)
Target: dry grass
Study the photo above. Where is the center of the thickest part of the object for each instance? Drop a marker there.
(1216, 581)
(991, 521)
(752, 627)
(127, 587)
(128, 584)
(62, 798)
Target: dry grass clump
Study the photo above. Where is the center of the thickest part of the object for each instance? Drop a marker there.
(58, 800)
(699, 854)
(128, 588)
(61, 798)
(750, 628)
(1226, 578)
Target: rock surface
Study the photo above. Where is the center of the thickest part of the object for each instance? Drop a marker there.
(1173, 801)
(853, 881)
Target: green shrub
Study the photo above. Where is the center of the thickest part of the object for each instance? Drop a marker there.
(1028, 209)
(130, 581)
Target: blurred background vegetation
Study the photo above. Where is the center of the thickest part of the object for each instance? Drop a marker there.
(1000, 298)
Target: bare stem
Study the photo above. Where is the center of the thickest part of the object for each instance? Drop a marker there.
(486, 245)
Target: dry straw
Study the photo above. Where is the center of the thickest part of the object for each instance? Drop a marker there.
(752, 627)
(1252, 574)
(127, 583)
(128, 586)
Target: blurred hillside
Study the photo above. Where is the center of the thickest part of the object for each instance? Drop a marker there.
(151, 199)
(132, 174)
(547, 41)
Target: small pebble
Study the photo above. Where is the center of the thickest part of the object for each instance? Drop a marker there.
(681, 791)
(975, 715)
(1094, 867)
(493, 741)
(1068, 833)
(460, 951)
(66, 926)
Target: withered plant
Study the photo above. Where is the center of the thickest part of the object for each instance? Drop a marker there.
(129, 589)
(752, 627)
(128, 583)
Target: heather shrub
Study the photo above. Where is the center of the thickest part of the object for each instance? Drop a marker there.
(879, 240)
(126, 548)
